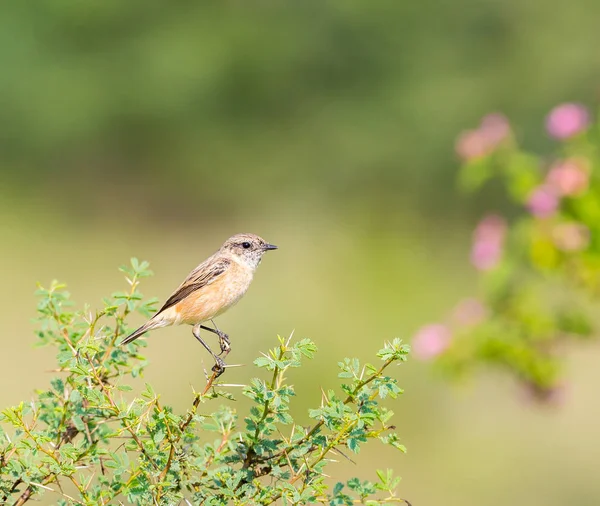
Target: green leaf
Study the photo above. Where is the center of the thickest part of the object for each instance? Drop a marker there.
(475, 173)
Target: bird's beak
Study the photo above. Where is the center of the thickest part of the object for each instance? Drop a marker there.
(267, 247)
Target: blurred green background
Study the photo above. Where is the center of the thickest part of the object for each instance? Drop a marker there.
(157, 129)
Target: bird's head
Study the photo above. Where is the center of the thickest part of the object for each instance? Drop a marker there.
(247, 249)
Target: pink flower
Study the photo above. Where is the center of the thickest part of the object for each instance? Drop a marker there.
(568, 177)
(469, 312)
(492, 131)
(543, 202)
(488, 242)
(567, 120)
(571, 236)
(494, 128)
(431, 341)
(470, 145)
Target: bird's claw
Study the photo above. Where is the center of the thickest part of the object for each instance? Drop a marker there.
(224, 343)
(219, 367)
(222, 335)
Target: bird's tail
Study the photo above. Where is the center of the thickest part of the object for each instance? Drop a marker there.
(149, 325)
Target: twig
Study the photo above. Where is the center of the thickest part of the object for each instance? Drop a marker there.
(117, 411)
(209, 383)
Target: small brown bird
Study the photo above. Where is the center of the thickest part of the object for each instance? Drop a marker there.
(210, 289)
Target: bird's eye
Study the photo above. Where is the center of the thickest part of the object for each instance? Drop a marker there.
(245, 245)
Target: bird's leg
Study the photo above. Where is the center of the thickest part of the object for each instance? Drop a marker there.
(224, 342)
(219, 367)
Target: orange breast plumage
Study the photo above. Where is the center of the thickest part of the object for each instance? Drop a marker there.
(216, 297)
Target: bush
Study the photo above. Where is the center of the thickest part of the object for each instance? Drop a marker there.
(90, 441)
(539, 270)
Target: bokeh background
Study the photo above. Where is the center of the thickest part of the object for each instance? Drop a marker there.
(157, 130)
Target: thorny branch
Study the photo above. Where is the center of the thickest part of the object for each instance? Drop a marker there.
(74, 424)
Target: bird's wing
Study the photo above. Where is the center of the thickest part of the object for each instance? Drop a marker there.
(205, 274)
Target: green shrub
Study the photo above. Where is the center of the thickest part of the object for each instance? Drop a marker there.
(88, 440)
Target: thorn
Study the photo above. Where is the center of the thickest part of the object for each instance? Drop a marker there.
(290, 338)
(337, 450)
(323, 396)
(41, 486)
(130, 406)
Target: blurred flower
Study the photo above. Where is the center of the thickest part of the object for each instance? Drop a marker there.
(571, 236)
(469, 312)
(471, 145)
(567, 120)
(568, 177)
(488, 242)
(493, 130)
(543, 201)
(430, 341)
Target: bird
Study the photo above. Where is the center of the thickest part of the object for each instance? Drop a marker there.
(209, 290)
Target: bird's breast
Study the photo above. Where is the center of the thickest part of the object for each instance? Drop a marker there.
(216, 297)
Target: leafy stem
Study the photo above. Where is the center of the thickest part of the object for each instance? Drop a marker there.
(106, 442)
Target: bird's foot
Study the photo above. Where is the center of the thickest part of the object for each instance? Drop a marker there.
(224, 343)
(219, 367)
